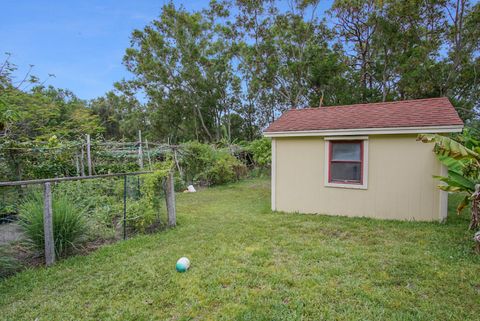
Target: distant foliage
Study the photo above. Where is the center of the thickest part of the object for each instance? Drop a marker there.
(69, 227)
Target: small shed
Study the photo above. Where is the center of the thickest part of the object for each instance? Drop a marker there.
(361, 160)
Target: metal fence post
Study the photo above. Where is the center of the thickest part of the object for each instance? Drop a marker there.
(48, 225)
(125, 207)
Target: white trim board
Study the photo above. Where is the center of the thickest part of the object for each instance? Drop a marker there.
(346, 138)
(273, 178)
(368, 131)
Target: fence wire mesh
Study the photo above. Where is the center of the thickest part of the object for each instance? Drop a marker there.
(87, 213)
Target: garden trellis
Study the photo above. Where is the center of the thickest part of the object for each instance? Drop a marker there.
(85, 157)
(94, 156)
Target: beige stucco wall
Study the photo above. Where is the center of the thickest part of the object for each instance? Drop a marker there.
(400, 182)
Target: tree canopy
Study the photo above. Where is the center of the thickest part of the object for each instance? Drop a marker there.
(223, 73)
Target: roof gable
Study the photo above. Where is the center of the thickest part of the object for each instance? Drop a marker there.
(420, 113)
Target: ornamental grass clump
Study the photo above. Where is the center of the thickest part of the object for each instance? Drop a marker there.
(69, 226)
(8, 264)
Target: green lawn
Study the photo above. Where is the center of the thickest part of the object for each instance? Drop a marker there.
(251, 264)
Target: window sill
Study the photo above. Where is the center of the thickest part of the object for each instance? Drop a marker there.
(343, 185)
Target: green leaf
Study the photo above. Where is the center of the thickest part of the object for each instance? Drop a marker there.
(464, 203)
(457, 180)
(447, 147)
(452, 164)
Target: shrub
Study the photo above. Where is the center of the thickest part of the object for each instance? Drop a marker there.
(179, 184)
(208, 165)
(141, 215)
(261, 150)
(69, 227)
(224, 169)
(196, 159)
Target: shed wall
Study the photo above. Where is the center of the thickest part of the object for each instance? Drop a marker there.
(400, 182)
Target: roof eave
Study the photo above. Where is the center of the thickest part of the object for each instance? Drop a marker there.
(368, 131)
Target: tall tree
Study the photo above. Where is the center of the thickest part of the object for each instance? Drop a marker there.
(184, 69)
(356, 25)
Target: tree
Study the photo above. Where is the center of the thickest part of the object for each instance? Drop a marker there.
(184, 68)
(356, 24)
(122, 116)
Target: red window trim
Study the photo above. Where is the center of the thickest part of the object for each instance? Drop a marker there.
(330, 153)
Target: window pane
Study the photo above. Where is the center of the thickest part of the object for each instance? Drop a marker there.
(345, 151)
(345, 172)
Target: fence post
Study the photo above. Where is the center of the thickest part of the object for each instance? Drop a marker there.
(148, 155)
(82, 167)
(170, 199)
(48, 225)
(77, 164)
(89, 156)
(140, 150)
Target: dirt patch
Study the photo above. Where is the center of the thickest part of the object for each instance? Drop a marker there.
(9, 233)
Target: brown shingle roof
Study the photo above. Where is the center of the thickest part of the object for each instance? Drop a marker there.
(406, 113)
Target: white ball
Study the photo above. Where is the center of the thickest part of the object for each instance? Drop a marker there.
(182, 264)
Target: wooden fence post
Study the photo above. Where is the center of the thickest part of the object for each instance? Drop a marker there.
(82, 167)
(140, 150)
(148, 155)
(89, 156)
(170, 200)
(48, 225)
(77, 164)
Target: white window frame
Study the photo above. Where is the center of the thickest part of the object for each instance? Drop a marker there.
(326, 166)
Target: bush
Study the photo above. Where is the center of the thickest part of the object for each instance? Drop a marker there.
(224, 169)
(261, 150)
(141, 215)
(208, 165)
(69, 227)
(196, 159)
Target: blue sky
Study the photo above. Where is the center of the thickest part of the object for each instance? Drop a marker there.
(81, 42)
